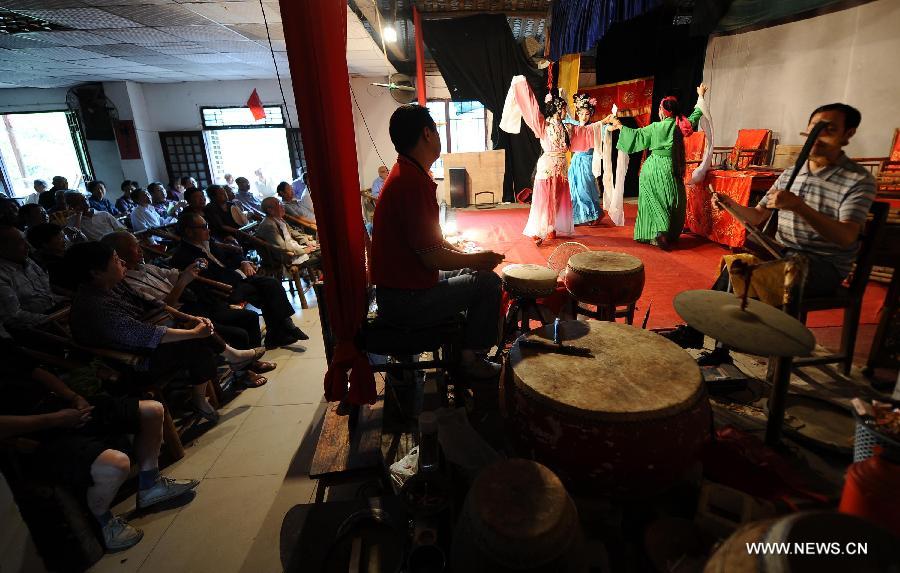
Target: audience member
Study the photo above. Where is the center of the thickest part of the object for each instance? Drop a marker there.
(39, 186)
(9, 212)
(263, 184)
(48, 245)
(84, 442)
(218, 213)
(163, 206)
(25, 296)
(48, 199)
(106, 313)
(188, 183)
(97, 199)
(303, 204)
(144, 216)
(31, 214)
(175, 190)
(238, 327)
(264, 293)
(195, 199)
(59, 202)
(383, 173)
(94, 224)
(292, 245)
(125, 204)
(246, 197)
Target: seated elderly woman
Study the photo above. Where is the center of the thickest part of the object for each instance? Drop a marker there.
(108, 314)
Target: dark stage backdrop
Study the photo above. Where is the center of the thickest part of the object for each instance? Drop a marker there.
(478, 58)
(650, 45)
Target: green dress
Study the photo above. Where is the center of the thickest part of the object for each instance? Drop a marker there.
(661, 197)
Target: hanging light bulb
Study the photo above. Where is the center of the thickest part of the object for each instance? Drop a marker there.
(389, 34)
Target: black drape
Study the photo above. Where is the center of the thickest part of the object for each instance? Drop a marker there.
(478, 58)
(656, 48)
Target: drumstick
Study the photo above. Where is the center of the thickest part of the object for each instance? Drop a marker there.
(767, 243)
(647, 315)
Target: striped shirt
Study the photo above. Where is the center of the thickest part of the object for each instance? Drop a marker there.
(843, 191)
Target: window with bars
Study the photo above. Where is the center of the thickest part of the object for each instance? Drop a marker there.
(185, 155)
(240, 117)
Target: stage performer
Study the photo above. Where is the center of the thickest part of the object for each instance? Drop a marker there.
(551, 203)
(662, 199)
(582, 182)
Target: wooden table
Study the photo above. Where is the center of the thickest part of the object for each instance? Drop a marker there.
(745, 187)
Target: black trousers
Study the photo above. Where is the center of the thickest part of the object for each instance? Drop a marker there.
(268, 295)
(199, 356)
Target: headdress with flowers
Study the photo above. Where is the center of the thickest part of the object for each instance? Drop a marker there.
(584, 101)
(554, 101)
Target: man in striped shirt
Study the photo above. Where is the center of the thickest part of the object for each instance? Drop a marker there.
(820, 217)
(823, 214)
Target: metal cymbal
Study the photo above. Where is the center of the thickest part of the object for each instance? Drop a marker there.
(759, 329)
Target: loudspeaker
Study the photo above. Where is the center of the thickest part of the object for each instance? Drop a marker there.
(459, 187)
(95, 115)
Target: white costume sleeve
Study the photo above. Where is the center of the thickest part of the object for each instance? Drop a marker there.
(613, 191)
(706, 125)
(511, 120)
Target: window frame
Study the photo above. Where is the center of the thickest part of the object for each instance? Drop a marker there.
(447, 130)
(206, 126)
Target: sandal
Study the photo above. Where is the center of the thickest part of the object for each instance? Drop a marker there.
(253, 380)
(261, 367)
(243, 364)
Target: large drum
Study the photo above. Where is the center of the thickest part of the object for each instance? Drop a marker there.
(529, 280)
(809, 542)
(605, 278)
(631, 419)
(517, 517)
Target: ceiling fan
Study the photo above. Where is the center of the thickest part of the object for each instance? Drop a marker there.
(401, 87)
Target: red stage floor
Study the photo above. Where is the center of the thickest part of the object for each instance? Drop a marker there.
(693, 264)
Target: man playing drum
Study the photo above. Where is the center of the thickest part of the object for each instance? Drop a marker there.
(821, 217)
(420, 278)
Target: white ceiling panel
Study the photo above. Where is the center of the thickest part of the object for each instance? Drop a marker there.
(106, 3)
(82, 18)
(230, 12)
(123, 50)
(67, 38)
(139, 36)
(60, 53)
(155, 15)
(184, 48)
(258, 31)
(208, 58)
(20, 41)
(212, 33)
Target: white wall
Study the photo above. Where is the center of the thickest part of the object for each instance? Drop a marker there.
(774, 78)
(375, 105)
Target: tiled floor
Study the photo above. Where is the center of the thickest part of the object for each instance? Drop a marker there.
(243, 464)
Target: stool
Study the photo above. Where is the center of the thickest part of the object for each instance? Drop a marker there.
(524, 284)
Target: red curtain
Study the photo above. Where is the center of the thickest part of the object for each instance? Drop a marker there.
(317, 50)
(420, 58)
(634, 98)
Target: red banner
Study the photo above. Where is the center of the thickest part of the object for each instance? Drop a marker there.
(634, 98)
(126, 138)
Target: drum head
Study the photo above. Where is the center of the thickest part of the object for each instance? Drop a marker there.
(633, 375)
(529, 272)
(605, 262)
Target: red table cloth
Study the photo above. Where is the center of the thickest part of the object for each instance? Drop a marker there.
(717, 225)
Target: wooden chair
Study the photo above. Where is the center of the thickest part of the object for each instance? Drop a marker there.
(272, 265)
(740, 155)
(849, 298)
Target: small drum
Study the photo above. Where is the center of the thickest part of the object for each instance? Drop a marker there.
(532, 281)
(605, 278)
(817, 542)
(631, 419)
(518, 517)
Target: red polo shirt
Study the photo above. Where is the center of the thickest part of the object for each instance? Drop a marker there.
(406, 223)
